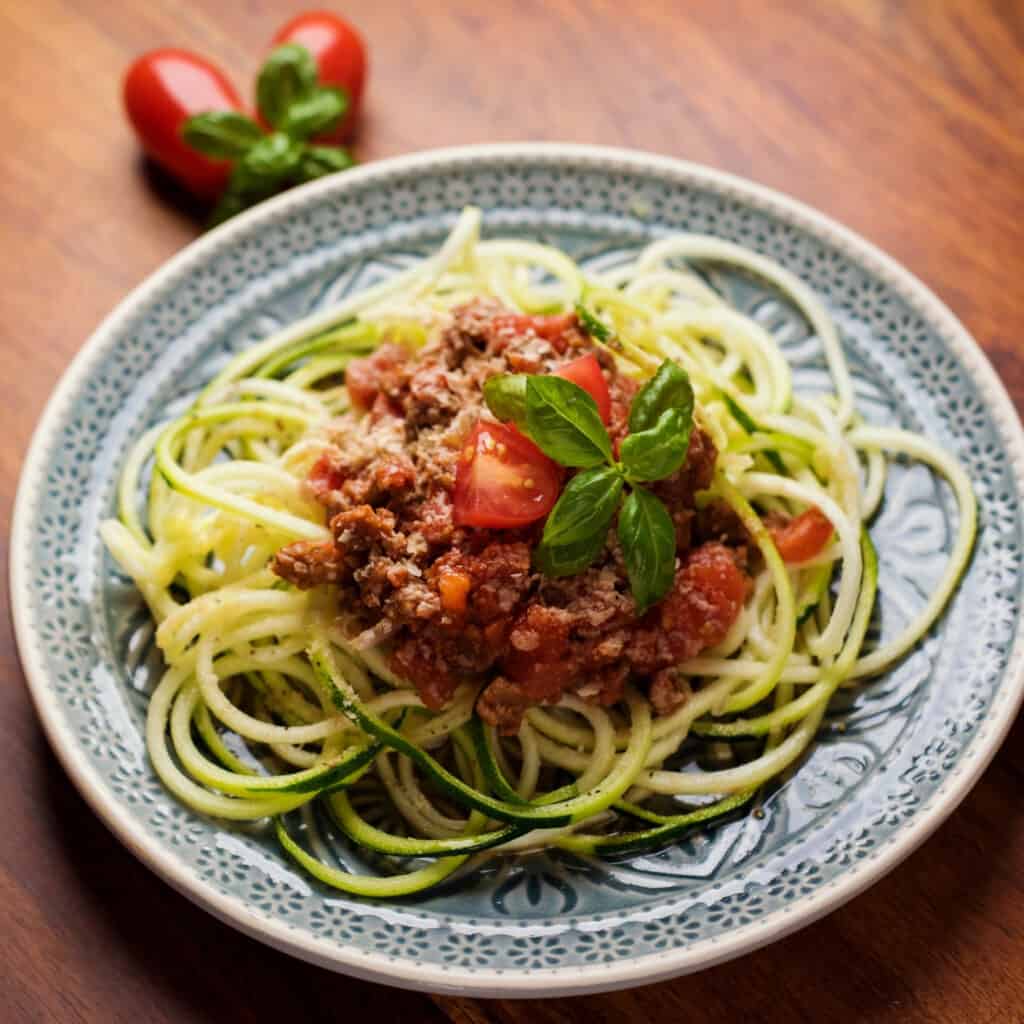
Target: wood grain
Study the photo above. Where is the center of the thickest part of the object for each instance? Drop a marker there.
(904, 120)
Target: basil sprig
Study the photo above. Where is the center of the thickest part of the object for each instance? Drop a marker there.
(563, 421)
(297, 108)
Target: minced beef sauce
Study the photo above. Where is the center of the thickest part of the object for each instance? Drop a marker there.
(461, 603)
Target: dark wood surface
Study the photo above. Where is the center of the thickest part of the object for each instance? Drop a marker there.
(904, 120)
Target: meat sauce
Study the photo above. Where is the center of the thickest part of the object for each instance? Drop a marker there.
(462, 603)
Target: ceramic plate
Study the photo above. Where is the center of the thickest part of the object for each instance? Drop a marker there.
(894, 759)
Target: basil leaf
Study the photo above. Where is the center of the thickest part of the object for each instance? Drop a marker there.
(563, 421)
(659, 451)
(269, 162)
(648, 539)
(242, 192)
(505, 395)
(316, 113)
(232, 201)
(594, 327)
(224, 134)
(569, 559)
(577, 527)
(669, 388)
(288, 75)
(320, 160)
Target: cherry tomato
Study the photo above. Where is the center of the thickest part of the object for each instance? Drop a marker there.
(803, 537)
(586, 372)
(162, 89)
(340, 56)
(503, 479)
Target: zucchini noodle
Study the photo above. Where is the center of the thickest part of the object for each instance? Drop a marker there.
(268, 705)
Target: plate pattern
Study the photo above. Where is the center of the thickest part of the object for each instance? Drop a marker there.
(891, 752)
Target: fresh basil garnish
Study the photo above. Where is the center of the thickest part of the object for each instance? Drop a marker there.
(577, 527)
(659, 451)
(569, 559)
(648, 539)
(594, 327)
(505, 395)
(243, 190)
(314, 114)
(222, 134)
(288, 75)
(271, 160)
(563, 421)
(669, 388)
(297, 108)
(230, 203)
(320, 160)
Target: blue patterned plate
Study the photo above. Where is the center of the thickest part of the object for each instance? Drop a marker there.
(893, 760)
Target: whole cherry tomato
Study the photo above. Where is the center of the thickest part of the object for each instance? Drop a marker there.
(340, 57)
(503, 479)
(162, 89)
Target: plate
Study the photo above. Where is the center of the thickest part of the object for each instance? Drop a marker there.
(894, 759)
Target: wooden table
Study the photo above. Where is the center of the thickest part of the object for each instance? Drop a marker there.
(905, 121)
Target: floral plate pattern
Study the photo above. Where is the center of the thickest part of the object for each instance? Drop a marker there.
(895, 756)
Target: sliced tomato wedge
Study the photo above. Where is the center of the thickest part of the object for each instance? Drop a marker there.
(503, 479)
(586, 372)
(802, 537)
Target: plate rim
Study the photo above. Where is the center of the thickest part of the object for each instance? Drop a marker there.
(490, 981)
